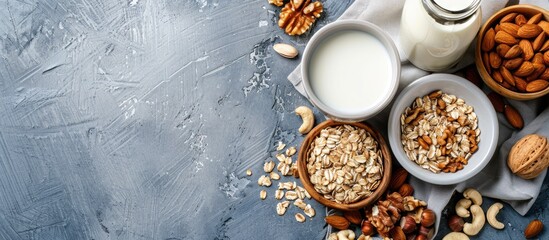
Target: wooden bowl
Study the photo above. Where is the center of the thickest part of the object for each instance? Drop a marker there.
(526, 10)
(304, 175)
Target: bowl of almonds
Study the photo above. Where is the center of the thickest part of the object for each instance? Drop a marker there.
(512, 52)
(443, 129)
(345, 166)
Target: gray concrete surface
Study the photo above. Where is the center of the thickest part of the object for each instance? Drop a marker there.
(137, 120)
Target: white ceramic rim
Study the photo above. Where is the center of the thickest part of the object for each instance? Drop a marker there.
(489, 136)
(342, 25)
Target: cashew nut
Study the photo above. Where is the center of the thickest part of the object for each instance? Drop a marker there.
(455, 236)
(332, 236)
(346, 235)
(491, 216)
(474, 227)
(308, 118)
(474, 195)
(364, 237)
(462, 207)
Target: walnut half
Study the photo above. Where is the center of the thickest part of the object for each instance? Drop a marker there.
(298, 15)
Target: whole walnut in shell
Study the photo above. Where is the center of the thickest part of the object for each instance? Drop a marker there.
(529, 156)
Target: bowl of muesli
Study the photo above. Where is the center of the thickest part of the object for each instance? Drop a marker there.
(345, 166)
(443, 129)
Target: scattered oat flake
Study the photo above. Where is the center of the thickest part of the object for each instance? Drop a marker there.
(299, 217)
(268, 166)
(279, 194)
(263, 194)
(274, 176)
(249, 172)
(280, 146)
(309, 211)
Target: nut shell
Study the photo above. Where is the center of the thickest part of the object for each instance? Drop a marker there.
(529, 156)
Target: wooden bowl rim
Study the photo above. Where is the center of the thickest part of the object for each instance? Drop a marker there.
(487, 78)
(304, 175)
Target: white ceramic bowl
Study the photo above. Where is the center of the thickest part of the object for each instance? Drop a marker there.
(473, 96)
(331, 30)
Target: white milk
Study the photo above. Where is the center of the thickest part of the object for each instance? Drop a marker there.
(432, 45)
(350, 71)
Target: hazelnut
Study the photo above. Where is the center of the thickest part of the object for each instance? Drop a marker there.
(421, 237)
(367, 228)
(406, 190)
(428, 218)
(427, 232)
(397, 233)
(408, 224)
(456, 223)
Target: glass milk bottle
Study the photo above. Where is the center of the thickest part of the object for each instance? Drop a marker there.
(434, 34)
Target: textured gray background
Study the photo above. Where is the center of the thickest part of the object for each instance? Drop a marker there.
(137, 120)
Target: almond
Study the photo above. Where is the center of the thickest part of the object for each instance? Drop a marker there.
(533, 229)
(513, 117)
(338, 222)
(508, 18)
(520, 84)
(506, 38)
(520, 20)
(545, 74)
(529, 31)
(538, 42)
(539, 68)
(497, 101)
(398, 178)
(488, 41)
(507, 76)
(495, 60)
(508, 86)
(486, 62)
(510, 28)
(502, 49)
(285, 50)
(406, 190)
(353, 216)
(497, 28)
(537, 85)
(525, 69)
(545, 26)
(535, 19)
(513, 52)
(497, 76)
(527, 51)
(538, 58)
(545, 46)
(513, 64)
(546, 57)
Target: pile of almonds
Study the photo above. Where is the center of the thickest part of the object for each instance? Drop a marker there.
(397, 215)
(515, 52)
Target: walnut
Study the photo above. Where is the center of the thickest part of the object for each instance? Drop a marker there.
(298, 15)
(276, 2)
(411, 203)
(385, 214)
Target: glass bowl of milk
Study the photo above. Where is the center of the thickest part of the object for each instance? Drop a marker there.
(350, 70)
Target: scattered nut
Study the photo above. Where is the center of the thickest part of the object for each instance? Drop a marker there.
(337, 222)
(456, 236)
(367, 228)
(285, 50)
(406, 190)
(428, 218)
(462, 207)
(474, 227)
(298, 15)
(408, 224)
(491, 216)
(529, 157)
(473, 195)
(398, 178)
(308, 119)
(353, 216)
(533, 228)
(346, 235)
(513, 116)
(456, 223)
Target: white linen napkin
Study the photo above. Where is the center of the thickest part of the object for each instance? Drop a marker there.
(496, 180)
